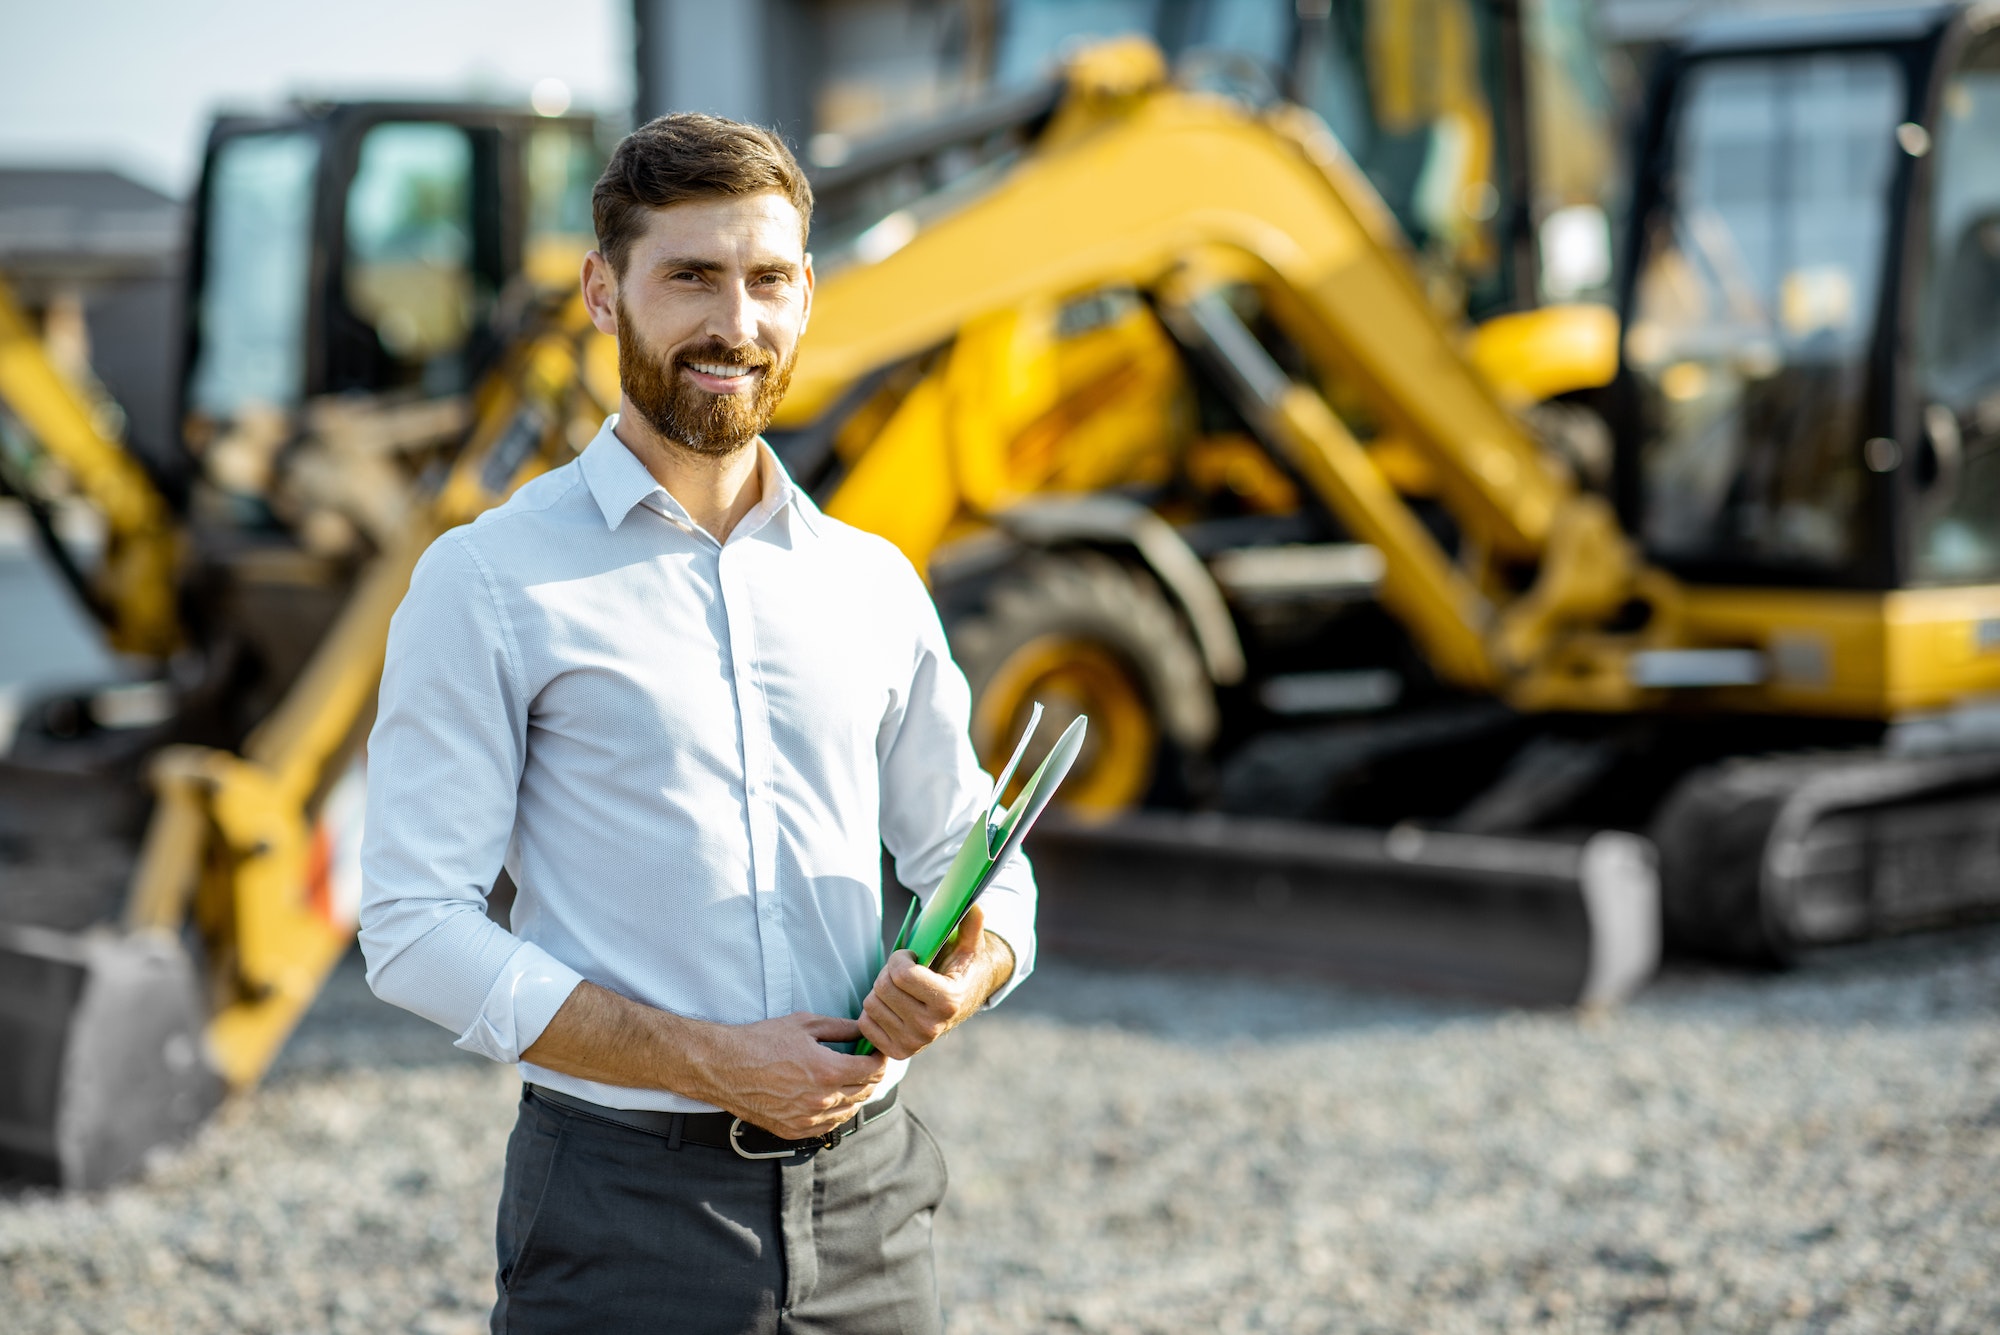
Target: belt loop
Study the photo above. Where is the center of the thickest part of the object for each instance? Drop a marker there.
(674, 1131)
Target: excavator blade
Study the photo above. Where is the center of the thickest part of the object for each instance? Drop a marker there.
(1519, 920)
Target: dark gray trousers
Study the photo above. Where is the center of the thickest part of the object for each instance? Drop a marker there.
(605, 1230)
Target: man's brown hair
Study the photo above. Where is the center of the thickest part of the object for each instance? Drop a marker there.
(688, 155)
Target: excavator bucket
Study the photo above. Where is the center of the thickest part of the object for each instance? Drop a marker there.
(100, 1036)
(101, 1055)
(1517, 920)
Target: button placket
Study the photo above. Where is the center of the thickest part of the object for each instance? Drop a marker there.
(754, 723)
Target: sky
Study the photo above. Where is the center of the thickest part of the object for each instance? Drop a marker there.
(131, 84)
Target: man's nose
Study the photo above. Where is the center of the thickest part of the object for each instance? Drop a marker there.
(733, 320)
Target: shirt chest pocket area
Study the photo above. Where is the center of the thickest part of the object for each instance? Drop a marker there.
(644, 681)
(830, 667)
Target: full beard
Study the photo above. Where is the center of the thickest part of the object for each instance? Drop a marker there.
(717, 425)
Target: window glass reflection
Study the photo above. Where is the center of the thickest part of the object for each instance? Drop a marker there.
(1755, 308)
(562, 166)
(1958, 466)
(409, 242)
(256, 257)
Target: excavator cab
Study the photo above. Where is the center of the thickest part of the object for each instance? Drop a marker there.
(1809, 445)
(353, 269)
(367, 251)
(366, 248)
(1811, 358)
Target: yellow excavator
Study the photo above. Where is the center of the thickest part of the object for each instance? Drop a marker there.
(366, 281)
(1146, 380)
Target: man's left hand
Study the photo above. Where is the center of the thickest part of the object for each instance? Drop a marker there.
(912, 1007)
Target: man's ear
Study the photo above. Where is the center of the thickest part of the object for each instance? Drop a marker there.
(600, 293)
(806, 318)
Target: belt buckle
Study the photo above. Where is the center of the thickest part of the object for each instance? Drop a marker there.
(736, 1144)
(825, 1142)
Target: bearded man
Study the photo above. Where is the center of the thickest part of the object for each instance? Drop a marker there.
(686, 710)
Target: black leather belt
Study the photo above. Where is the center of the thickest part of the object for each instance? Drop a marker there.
(717, 1130)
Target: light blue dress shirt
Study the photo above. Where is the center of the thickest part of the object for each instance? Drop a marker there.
(688, 756)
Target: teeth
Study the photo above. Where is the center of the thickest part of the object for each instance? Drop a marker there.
(720, 371)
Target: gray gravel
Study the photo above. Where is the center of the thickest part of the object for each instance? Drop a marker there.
(1139, 1151)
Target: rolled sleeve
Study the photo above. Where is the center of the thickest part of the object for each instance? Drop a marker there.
(530, 989)
(444, 765)
(933, 791)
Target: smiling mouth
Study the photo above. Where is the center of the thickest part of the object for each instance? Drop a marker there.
(722, 370)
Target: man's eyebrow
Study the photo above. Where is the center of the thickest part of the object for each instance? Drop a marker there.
(682, 263)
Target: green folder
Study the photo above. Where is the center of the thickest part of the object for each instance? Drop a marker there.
(986, 849)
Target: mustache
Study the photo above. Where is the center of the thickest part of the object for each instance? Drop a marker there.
(721, 354)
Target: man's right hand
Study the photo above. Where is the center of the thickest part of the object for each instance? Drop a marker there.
(774, 1073)
(777, 1074)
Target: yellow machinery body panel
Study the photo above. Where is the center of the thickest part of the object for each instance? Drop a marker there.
(1855, 655)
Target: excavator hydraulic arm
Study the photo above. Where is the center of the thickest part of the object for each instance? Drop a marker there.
(135, 590)
(1178, 195)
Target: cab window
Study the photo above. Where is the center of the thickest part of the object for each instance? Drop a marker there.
(409, 273)
(256, 267)
(1956, 469)
(1755, 311)
(561, 166)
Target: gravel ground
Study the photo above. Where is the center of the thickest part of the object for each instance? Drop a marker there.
(1139, 1151)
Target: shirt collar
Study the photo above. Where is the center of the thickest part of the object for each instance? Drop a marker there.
(618, 481)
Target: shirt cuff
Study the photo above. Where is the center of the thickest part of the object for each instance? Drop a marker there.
(1011, 917)
(531, 988)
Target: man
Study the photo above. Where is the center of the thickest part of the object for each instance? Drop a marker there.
(686, 709)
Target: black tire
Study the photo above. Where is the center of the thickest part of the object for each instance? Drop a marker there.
(1093, 607)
